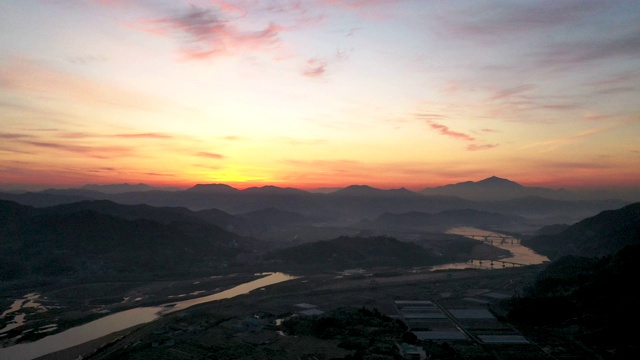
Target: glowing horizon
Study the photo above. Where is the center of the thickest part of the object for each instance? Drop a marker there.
(319, 93)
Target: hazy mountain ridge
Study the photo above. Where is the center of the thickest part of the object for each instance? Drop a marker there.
(599, 235)
(352, 252)
(589, 299)
(444, 220)
(344, 206)
(495, 188)
(126, 187)
(77, 239)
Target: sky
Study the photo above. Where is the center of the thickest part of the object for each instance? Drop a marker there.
(319, 93)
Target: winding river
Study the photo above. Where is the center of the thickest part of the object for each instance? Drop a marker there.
(125, 319)
(129, 318)
(520, 255)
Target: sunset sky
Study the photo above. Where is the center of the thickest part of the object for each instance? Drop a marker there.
(319, 93)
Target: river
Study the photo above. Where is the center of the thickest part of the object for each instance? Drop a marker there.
(125, 319)
(520, 255)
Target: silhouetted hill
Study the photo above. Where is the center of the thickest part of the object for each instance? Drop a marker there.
(274, 190)
(120, 188)
(600, 235)
(232, 223)
(42, 199)
(275, 217)
(164, 215)
(365, 190)
(77, 239)
(591, 300)
(552, 229)
(549, 211)
(340, 208)
(443, 220)
(353, 252)
(212, 189)
(495, 188)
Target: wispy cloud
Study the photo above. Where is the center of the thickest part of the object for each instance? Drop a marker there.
(430, 116)
(144, 136)
(569, 54)
(234, 138)
(371, 9)
(205, 32)
(314, 68)
(12, 136)
(94, 151)
(512, 91)
(37, 79)
(444, 130)
(209, 155)
(551, 144)
(517, 18)
(477, 147)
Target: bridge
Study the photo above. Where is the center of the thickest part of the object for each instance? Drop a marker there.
(493, 262)
(494, 239)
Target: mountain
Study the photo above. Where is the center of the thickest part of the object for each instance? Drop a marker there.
(495, 188)
(107, 239)
(121, 188)
(352, 252)
(212, 189)
(441, 221)
(365, 190)
(340, 208)
(590, 300)
(274, 190)
(599, 235)
(275, 217)
(165, 215)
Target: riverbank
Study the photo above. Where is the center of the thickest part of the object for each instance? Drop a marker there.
(245, 324)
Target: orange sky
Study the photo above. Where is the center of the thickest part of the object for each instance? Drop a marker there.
(319, 93)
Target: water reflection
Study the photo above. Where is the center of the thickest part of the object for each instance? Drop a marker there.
(29, 301)
(520, 255)
(123, 320)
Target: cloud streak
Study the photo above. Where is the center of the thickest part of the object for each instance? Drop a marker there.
(99, 152)
(444, 130)
(477, 147)
(209, 155)
(205, 32)
(315, 68)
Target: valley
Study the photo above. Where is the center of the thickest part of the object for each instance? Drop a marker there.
(158, 275)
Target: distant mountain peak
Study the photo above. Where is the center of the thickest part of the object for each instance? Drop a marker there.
(273, 190)
(118, 188)
(357, 190)
(497, 181)
(212, 188)
(494, 188)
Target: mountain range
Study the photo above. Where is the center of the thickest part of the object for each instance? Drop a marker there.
(345, 206)
(101, 238)
(495, 188)
(601, 235)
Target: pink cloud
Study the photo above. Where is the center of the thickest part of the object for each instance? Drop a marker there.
(509, 92)
(144, 136)
(476, 147)
(100, 152)
(444, 130)
(315, 68)
(204, 32)
(371, 9)
(12, 136)
(210, 155)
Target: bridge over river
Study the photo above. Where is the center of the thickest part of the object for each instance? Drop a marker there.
(520, 255)
(494, 238)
